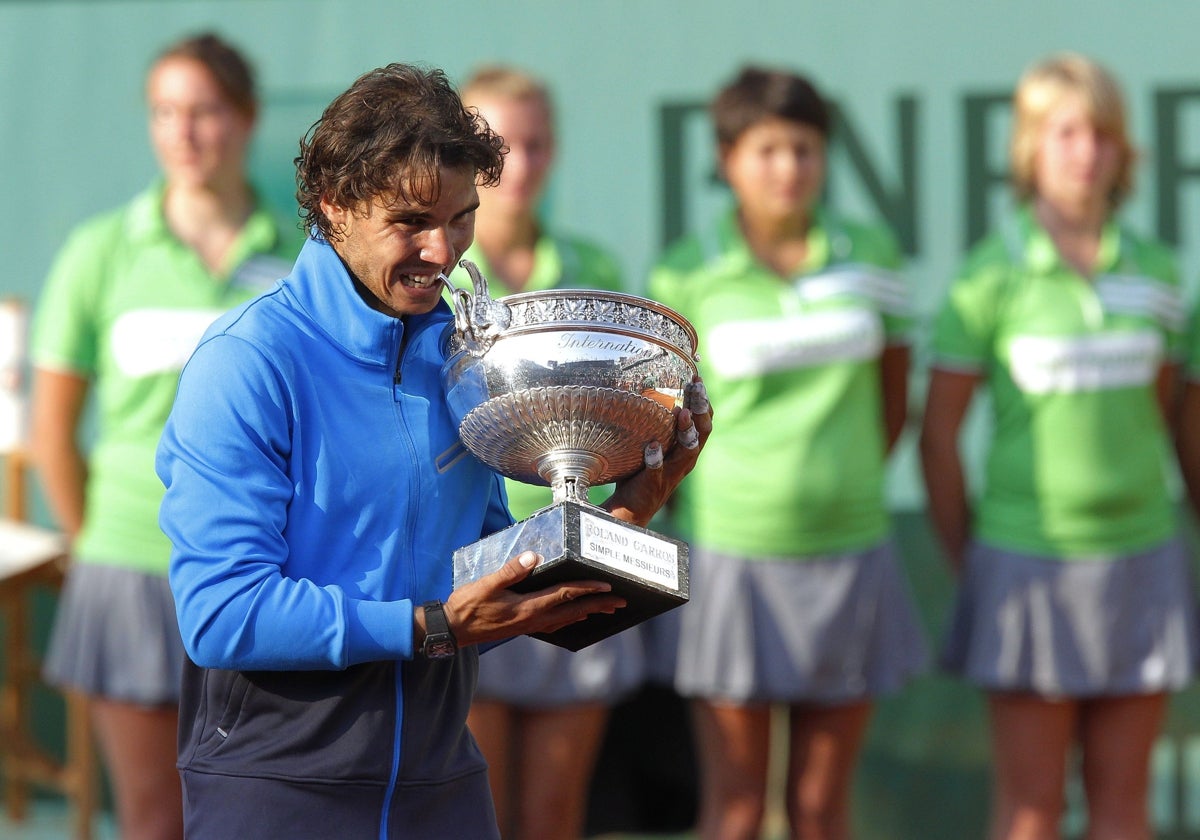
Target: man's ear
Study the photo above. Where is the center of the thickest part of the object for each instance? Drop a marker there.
(336, 214)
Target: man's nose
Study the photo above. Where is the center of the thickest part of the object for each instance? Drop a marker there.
(437, 246)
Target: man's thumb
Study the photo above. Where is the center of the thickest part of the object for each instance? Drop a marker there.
(519, 567)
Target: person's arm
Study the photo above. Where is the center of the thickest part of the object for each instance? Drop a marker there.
(56, 407)
(1166, 391)
(64, 342)
(893, 379)
(894, 298)
(946, 405)
(1187, 441)
(223, 459)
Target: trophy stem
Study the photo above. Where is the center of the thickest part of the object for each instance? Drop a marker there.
(568, 472)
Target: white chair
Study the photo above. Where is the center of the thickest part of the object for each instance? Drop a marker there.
(31, 558)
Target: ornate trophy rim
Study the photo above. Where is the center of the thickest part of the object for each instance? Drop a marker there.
(516, 301)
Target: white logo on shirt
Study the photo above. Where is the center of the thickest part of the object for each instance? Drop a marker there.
(1047, 364)
(885, 288)
(151, 341)
(751, 348)
(1142, 296)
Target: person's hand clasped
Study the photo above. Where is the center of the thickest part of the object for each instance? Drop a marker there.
(487, 610)
(638, 497)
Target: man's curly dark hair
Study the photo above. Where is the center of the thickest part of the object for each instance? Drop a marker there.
(390, 134)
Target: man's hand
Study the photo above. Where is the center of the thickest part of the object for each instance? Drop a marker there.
(486, 610)
(638, 497)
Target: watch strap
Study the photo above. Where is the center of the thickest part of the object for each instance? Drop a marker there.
(439, 641)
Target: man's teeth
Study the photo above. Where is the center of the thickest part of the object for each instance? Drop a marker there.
(421, 281)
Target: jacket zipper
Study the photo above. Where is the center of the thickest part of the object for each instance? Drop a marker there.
(404, 332)
(398, 722)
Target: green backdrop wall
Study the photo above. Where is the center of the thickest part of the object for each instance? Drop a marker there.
(921, 89)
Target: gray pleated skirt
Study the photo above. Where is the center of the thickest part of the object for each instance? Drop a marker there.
(660, 641)
(831, 629)
(531, 673)
(115, 635)
(1075, 628)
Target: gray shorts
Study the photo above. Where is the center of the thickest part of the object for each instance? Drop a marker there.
(1075, 628)
(832, 629)
(116, 636)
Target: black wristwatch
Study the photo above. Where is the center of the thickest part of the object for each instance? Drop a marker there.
(439, 641)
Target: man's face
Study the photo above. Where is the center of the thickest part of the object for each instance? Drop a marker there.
(397, 249)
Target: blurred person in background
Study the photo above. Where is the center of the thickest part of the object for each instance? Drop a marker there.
(798, 596)
(1075, 609)
(125, 303)
(540, 711)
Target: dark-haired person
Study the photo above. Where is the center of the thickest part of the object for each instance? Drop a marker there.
(1075, 610)
(126, 301)
(802, 320)
(316, 488)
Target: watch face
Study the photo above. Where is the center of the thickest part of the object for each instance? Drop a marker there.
(440, 646)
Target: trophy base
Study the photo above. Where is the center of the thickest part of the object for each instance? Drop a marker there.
(582, 542)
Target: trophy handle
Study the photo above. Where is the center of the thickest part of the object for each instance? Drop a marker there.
(478, 319)
(461, 302)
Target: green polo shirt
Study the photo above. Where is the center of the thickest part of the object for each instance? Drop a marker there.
(124, 305)
(795, 463)
(1078, 462)
(559, 262)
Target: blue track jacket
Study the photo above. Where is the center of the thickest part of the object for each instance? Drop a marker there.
(316, 488)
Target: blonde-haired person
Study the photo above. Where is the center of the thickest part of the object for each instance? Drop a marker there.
(540, 711)
(127, 299)
(1075, 608)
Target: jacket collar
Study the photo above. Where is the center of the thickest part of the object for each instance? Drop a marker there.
(323, 288)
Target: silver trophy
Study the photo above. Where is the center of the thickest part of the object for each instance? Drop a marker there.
(566, 388)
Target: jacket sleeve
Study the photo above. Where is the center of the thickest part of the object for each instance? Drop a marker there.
(223, 459)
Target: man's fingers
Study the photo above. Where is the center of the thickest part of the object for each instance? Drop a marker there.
(578, 605)
(696, 401)
(517, 568)
(652, 455)
(688, 437)
(695, 397)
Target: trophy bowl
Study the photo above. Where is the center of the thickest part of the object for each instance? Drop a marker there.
(566, 388)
